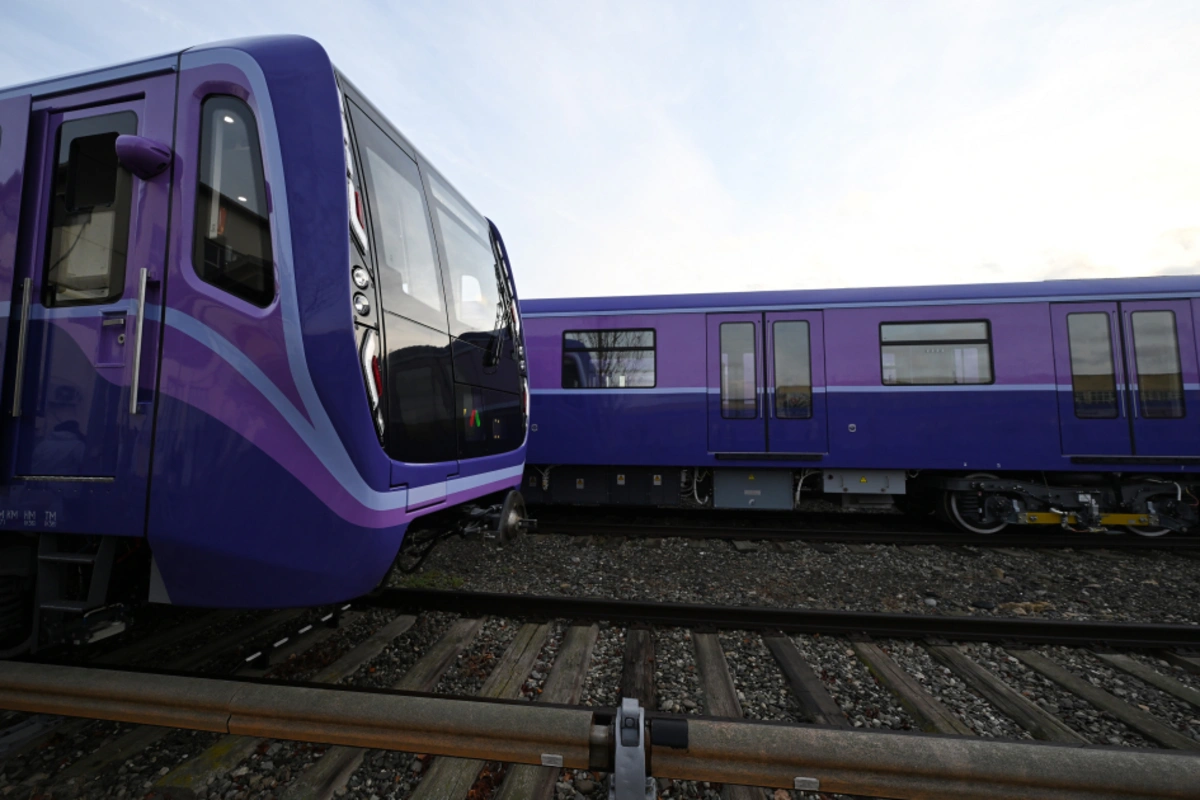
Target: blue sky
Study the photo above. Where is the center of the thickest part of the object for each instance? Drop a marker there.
(646, 147)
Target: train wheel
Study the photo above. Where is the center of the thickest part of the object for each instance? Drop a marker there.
(968, 510)
(512, 514)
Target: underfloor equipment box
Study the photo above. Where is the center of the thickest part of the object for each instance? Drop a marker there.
(865, 481)
(643, 486)
(752, 488)
(579, 485)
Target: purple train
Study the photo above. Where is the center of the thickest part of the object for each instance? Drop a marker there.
(253, 338)
(1073, 403)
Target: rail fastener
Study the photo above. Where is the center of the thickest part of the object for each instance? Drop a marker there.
(720, 750)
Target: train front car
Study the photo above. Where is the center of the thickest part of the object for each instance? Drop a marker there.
(254, 337)
(1063, 403)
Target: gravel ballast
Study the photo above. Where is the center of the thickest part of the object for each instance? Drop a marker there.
(924, 579)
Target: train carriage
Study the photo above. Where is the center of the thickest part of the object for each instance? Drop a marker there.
(253, 337)
(1066, 402)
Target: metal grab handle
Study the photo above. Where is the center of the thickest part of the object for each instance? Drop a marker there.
(1131, 367)
(137, 342)
(20, 380)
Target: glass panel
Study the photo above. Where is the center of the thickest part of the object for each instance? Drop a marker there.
(1093, 375)
(1156, 351)
(925, 365)
(934, 332)
(471, 261)
(89, 213)
(793, 371)
(612, 359)
(739, 377)
(232, 246)
(410, 282)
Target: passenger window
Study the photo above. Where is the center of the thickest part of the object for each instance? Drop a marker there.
(1093, 374)
(89, 213)
(1156, 351)
(935, 353)
(793, 371)
(475, 303)
(410, 281)
(232, 240)
(739, 375)
(612, 359)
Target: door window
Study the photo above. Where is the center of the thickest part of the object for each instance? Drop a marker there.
(233, 228)
(739, 380)
(1156, 352)
(89, 213)
(1093, 374)
(793, 371)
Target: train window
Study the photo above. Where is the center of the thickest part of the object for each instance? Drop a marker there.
(410, 282)
(793, 371)
(935, 353)
(612, 359)
(89, 215)
(1156, 351)
(473, 290)
(1093, 374)
(232, 240)
(739, 375)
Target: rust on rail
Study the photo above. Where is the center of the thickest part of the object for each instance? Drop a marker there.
(725, 751)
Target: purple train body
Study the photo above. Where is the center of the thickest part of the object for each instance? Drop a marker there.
(253, 338)
(1069, 402)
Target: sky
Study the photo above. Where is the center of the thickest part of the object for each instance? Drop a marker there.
(645, 147)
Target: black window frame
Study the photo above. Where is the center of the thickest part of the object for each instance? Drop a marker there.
(987, 323)
(1112, 361)
(264, 298)
(1140, 399)
(755, 339)
(653, 348)
(123, 205)
(775, 368)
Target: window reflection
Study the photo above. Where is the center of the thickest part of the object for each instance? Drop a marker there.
(1156, 351)
(608, 359)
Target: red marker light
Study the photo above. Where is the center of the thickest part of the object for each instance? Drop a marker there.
(358, 209)
(377, 374)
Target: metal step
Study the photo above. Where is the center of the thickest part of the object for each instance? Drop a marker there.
(70, 606)
(67, 558)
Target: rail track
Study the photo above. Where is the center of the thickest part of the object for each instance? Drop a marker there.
(515, 749)
(873, 534)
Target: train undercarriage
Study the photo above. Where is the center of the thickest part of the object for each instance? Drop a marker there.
(975, 502)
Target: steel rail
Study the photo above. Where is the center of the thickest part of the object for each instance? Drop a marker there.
(1025, 538)
(727, 751)
(796, 620)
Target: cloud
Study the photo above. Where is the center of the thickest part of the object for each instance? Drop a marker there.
(661, 147)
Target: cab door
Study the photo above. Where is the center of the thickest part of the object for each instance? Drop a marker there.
(82, 355)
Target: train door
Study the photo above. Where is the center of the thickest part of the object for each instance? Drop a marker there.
(1125, 372)
(83, 351)
(766, 383)
(795, 380)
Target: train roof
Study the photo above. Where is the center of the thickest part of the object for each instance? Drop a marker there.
(1110, 289)
(101, 76)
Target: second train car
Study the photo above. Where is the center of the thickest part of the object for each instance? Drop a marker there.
(1072, 403)
(253, 338)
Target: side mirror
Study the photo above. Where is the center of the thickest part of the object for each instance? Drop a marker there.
(143, 157)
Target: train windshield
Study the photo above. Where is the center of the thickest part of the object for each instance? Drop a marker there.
(474, 290)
